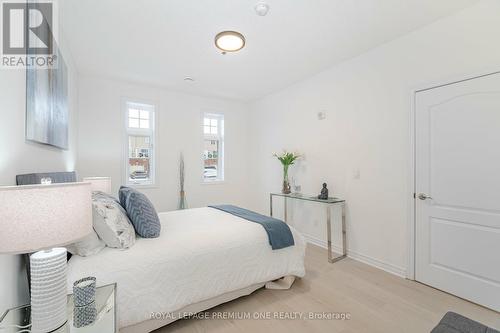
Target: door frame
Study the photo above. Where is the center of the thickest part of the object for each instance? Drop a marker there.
(411, 219)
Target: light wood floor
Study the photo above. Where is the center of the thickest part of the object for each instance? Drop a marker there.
(377, 302)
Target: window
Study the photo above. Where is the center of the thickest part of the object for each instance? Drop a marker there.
(213, 147)
(140, 167)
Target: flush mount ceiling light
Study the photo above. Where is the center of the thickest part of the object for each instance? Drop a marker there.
(229, 41)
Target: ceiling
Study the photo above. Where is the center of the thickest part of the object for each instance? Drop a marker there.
(160, 42)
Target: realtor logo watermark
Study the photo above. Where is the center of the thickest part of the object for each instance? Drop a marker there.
(28, 34)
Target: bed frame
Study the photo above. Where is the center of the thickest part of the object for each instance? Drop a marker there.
(153, 324)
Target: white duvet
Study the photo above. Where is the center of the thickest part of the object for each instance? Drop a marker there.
(200, 254)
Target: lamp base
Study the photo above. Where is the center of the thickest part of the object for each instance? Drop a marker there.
(48, 290)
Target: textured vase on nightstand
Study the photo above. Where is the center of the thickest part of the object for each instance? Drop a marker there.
(48, 290)
(85, 311)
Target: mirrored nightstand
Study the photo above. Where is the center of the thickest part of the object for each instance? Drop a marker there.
(19, 319)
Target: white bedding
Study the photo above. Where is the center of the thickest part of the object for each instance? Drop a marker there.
(200, 254)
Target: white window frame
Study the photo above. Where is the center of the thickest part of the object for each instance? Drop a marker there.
(151, 132)
(221, 153)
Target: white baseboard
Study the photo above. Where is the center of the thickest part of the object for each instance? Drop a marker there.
(321, 243)
(390, 268)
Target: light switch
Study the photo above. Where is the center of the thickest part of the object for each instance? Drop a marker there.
(356, 174)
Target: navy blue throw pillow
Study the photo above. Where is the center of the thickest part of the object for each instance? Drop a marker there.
(141, 212)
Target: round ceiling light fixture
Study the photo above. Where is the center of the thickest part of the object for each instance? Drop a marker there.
(229, 41)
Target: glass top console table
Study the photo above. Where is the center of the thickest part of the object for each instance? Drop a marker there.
(328, 203)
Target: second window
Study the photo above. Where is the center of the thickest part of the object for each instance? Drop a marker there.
(213, 147)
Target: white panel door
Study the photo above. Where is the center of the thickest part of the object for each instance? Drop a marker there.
(458, 189)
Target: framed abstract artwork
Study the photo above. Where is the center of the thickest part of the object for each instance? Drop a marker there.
(47, 104)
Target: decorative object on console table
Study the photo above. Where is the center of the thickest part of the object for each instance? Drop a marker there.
(37, 218)
(182, 198)
(324, 193)
(297, 188)
(286, 160)
(99, 184)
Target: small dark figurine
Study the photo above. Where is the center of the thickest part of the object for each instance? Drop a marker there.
(324, 193)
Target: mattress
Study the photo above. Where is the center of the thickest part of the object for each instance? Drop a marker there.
(201, 253)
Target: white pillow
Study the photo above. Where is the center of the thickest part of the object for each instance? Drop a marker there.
(88, 246)
(111, 222)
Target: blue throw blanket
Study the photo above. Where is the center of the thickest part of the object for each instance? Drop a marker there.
(278, 231)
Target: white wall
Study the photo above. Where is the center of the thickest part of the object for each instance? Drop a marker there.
(367, 105)
(19, 156)
(102, 141)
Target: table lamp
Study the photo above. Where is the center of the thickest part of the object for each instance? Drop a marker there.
(102, 184)
(39, 218)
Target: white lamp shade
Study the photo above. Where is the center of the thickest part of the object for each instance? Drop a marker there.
(36, 217)
(102, 184)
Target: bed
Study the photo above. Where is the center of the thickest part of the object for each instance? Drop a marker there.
(203, 257)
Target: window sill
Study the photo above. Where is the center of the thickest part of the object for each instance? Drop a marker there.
(142, 186)
(213, 182)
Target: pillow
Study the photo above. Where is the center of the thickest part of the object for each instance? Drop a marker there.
(111, 222)
(88, 246)
(141, 212)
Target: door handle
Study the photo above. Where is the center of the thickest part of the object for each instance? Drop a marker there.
(423, 196)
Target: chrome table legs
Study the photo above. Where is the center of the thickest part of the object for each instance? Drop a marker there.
(331, 258)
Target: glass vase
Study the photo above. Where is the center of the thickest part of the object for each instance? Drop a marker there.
(286, 183)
